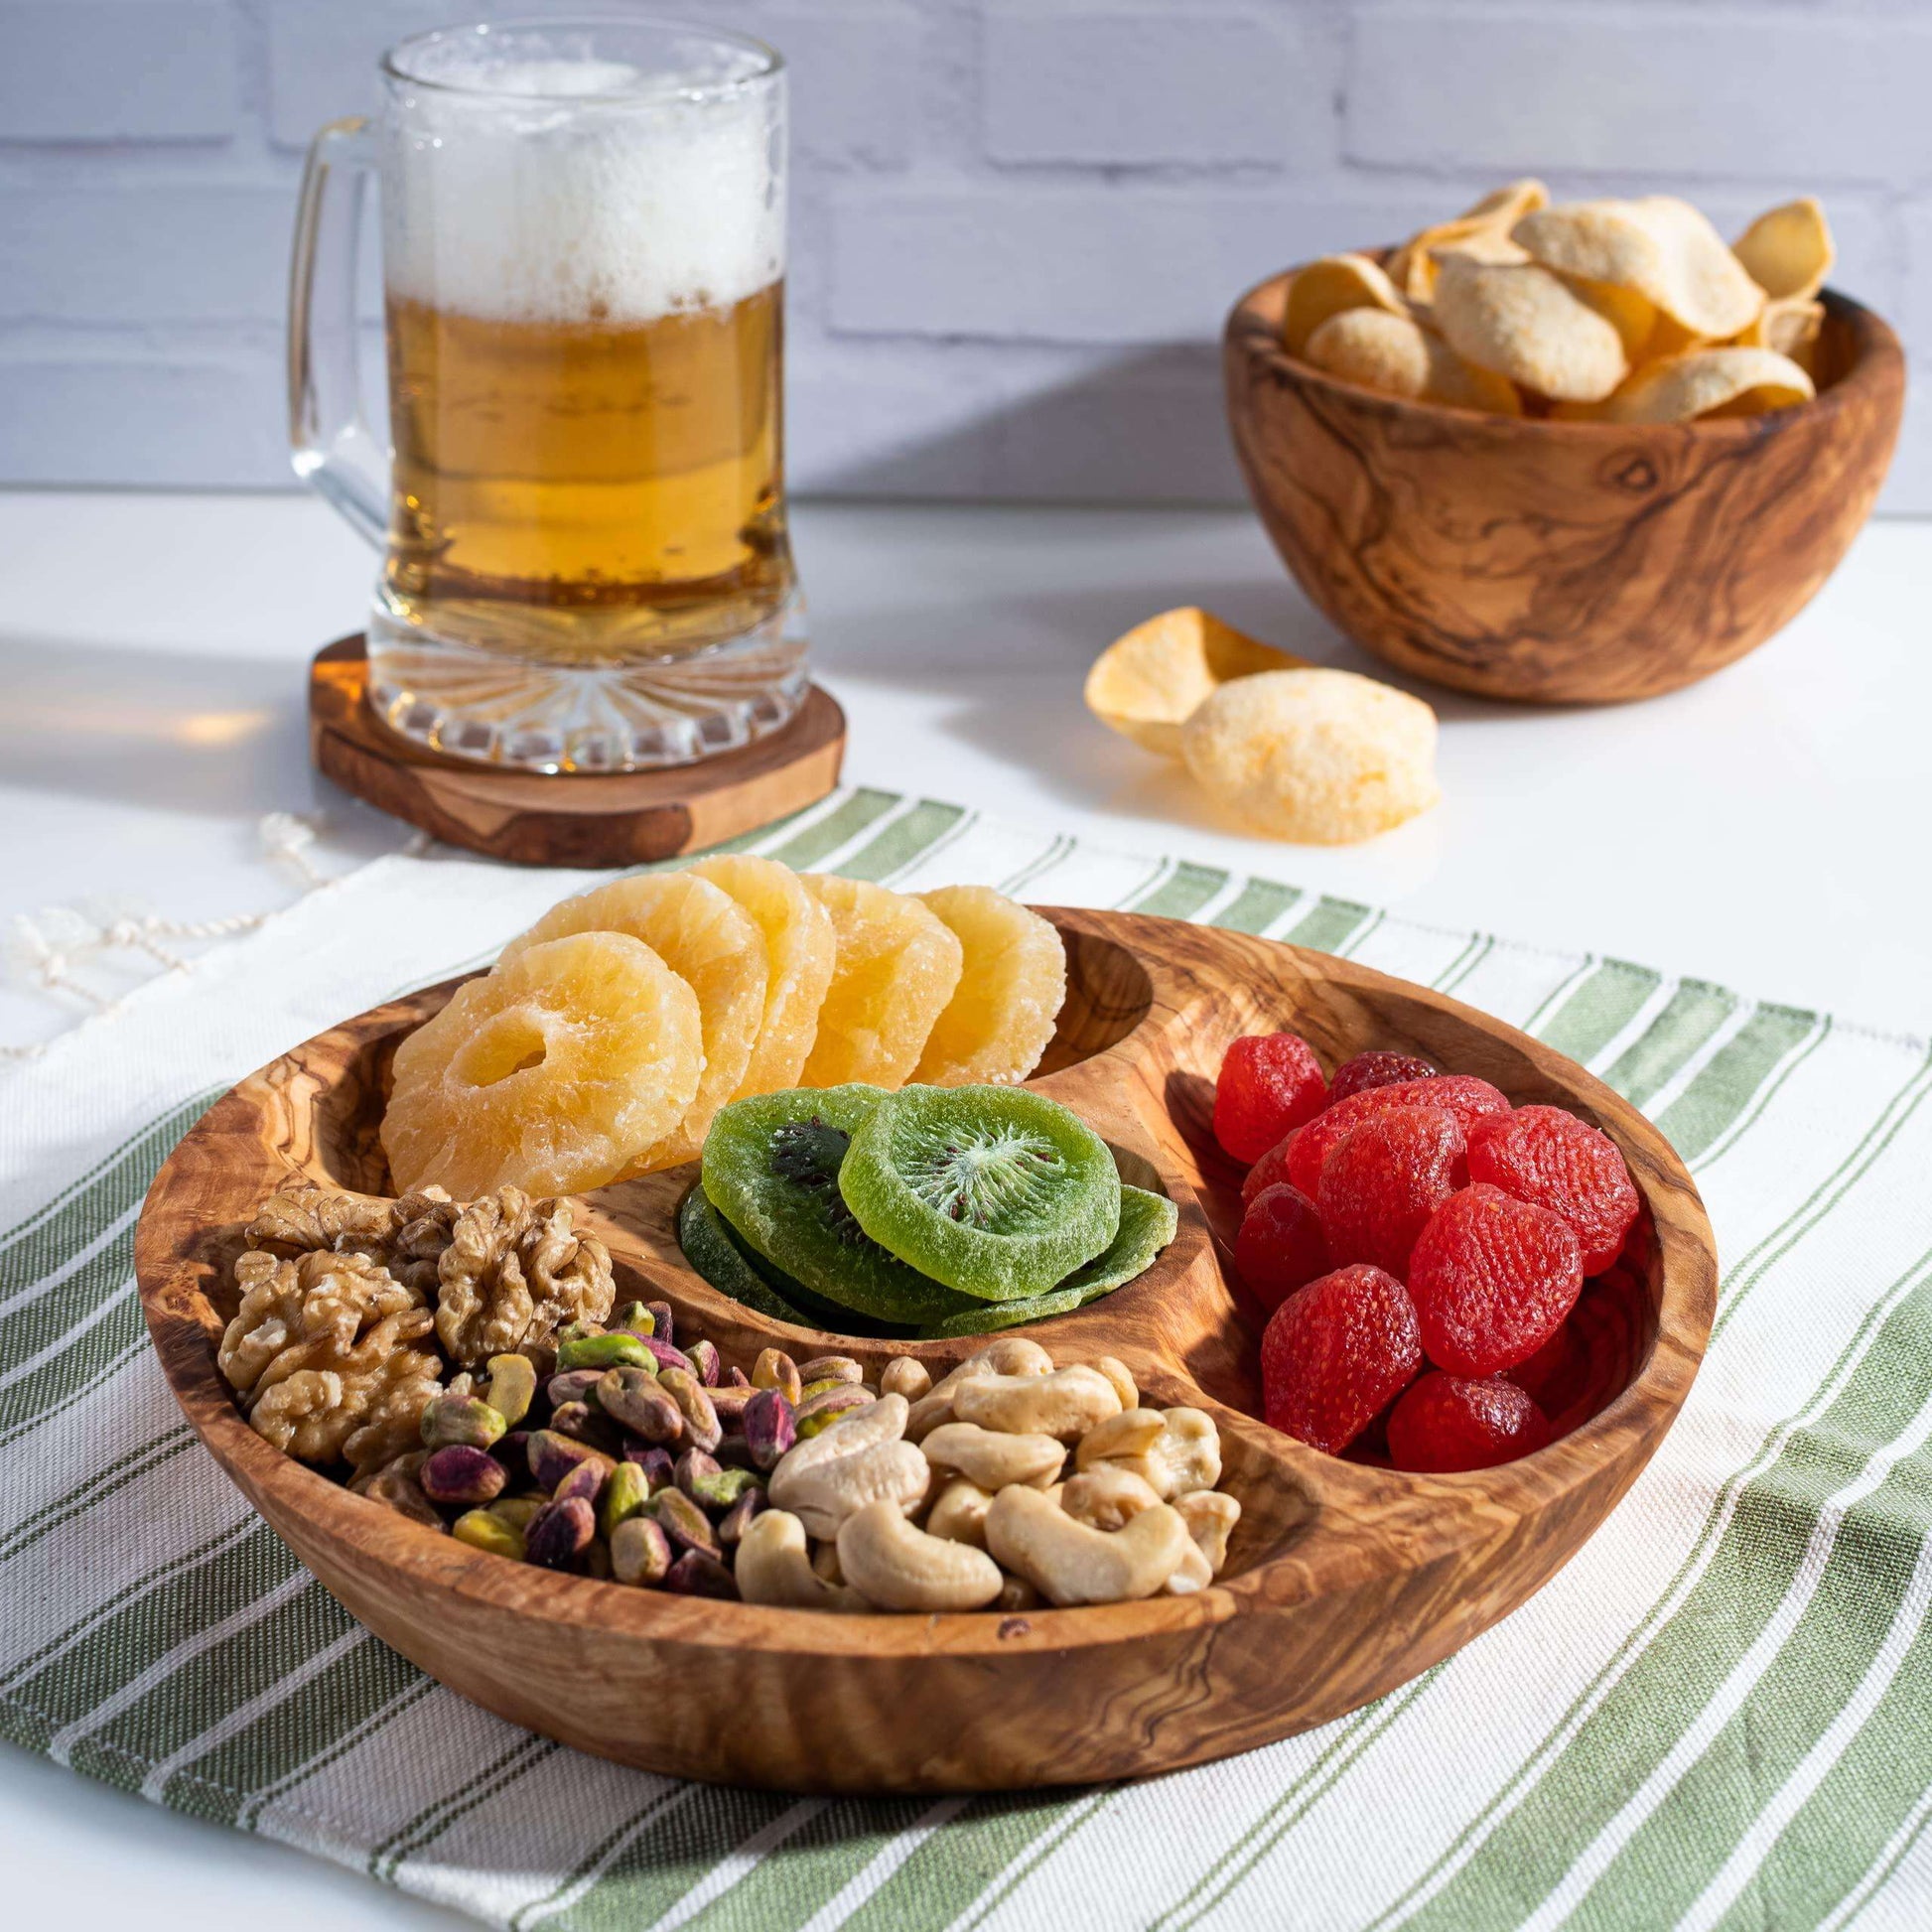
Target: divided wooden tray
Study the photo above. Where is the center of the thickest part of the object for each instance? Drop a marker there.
(1344, 1579)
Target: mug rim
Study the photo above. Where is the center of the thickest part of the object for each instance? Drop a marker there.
(772, 62)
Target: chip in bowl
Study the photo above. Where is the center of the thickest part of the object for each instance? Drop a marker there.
(1521, 320)
(1787, 251)
(1709, 382)
(1658, 247)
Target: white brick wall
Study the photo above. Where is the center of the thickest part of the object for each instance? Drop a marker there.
(1017, 223)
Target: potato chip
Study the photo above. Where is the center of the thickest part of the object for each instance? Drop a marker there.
(1327, 288)
(1525, 324)
(1791, 327)
(1375, 348)
(1661, 247)
(1413, 268)
(1709, 382)
(1634, 317)
(1319, 757)
(1485, 245)
(1145, 684)
(1787, 251)
(1460, 384)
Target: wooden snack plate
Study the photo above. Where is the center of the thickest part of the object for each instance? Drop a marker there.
(584, 820)
(1344, 1581)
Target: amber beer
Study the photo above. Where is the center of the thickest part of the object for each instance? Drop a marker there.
(588, 488)
(586, 565)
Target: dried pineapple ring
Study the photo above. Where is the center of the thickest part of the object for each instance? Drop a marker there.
(550, 1073)
(799, 951)
(709, 941)
(1147, 681)
(1322, 757)
(997, 1024)
(898, 966)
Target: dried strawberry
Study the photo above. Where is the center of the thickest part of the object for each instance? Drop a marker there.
(1384, 1179)
(1368, 1071)
(1280, 1247)
(1466, 1097)
(1269, 1084)
(1268, 1172)
(1492, 1278)
(1451, 1422)
(1549, 1156)
(1334, 1352)
(1558, 1373)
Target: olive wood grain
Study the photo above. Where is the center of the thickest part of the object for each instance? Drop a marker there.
(573, 818)
(1344, 1579)
(1554, 561)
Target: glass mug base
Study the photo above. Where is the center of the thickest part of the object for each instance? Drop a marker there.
(635, 715)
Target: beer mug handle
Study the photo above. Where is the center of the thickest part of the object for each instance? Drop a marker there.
(333, 445)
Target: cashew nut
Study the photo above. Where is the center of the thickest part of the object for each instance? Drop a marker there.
(992, 1460)
(1121, 1377)
(1192, 1573)
(958, 1514)
(774, 1566)
(1066, 1403)
(1107, 1495)
(898, 1567)
(1210, 1516)
(1178, 1450)
(856, 1460)
(1015, 1594)
(1003, 1355)
(1070, 1563)
(1120, 1438)
(905, 1375)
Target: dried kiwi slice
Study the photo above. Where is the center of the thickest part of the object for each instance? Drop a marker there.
(771, 1169)
(1147, 1224)
(705, 1237)
(996, 1192)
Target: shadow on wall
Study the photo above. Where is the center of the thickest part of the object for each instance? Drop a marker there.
(1145, 427)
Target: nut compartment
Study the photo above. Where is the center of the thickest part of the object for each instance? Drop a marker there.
(1342, 1579)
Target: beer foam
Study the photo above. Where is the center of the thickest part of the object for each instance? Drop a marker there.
(580, 190)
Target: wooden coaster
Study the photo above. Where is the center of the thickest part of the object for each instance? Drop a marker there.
(536, 818)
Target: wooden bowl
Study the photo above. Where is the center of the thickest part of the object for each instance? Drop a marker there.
(1558, 561)
(1343, 1580)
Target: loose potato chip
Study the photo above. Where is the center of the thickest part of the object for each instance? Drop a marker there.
(1787, 251)
(1525, 324)
(1319, 757)
(1477, 230)
(1327, 287)
(1379, 351)
(1709, 382)
(1145, 684)
(1789, 326)
(1661, 247)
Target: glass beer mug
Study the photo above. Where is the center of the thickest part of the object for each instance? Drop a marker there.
(581, 515)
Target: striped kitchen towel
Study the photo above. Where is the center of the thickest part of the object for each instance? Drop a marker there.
(1719, 1714)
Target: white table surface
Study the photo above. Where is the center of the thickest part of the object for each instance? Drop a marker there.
(1764, 829)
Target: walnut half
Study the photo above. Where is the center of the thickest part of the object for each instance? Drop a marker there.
(513, 1274)
(324, 1346)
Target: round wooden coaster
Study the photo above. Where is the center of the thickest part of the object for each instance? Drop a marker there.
(535, 818)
